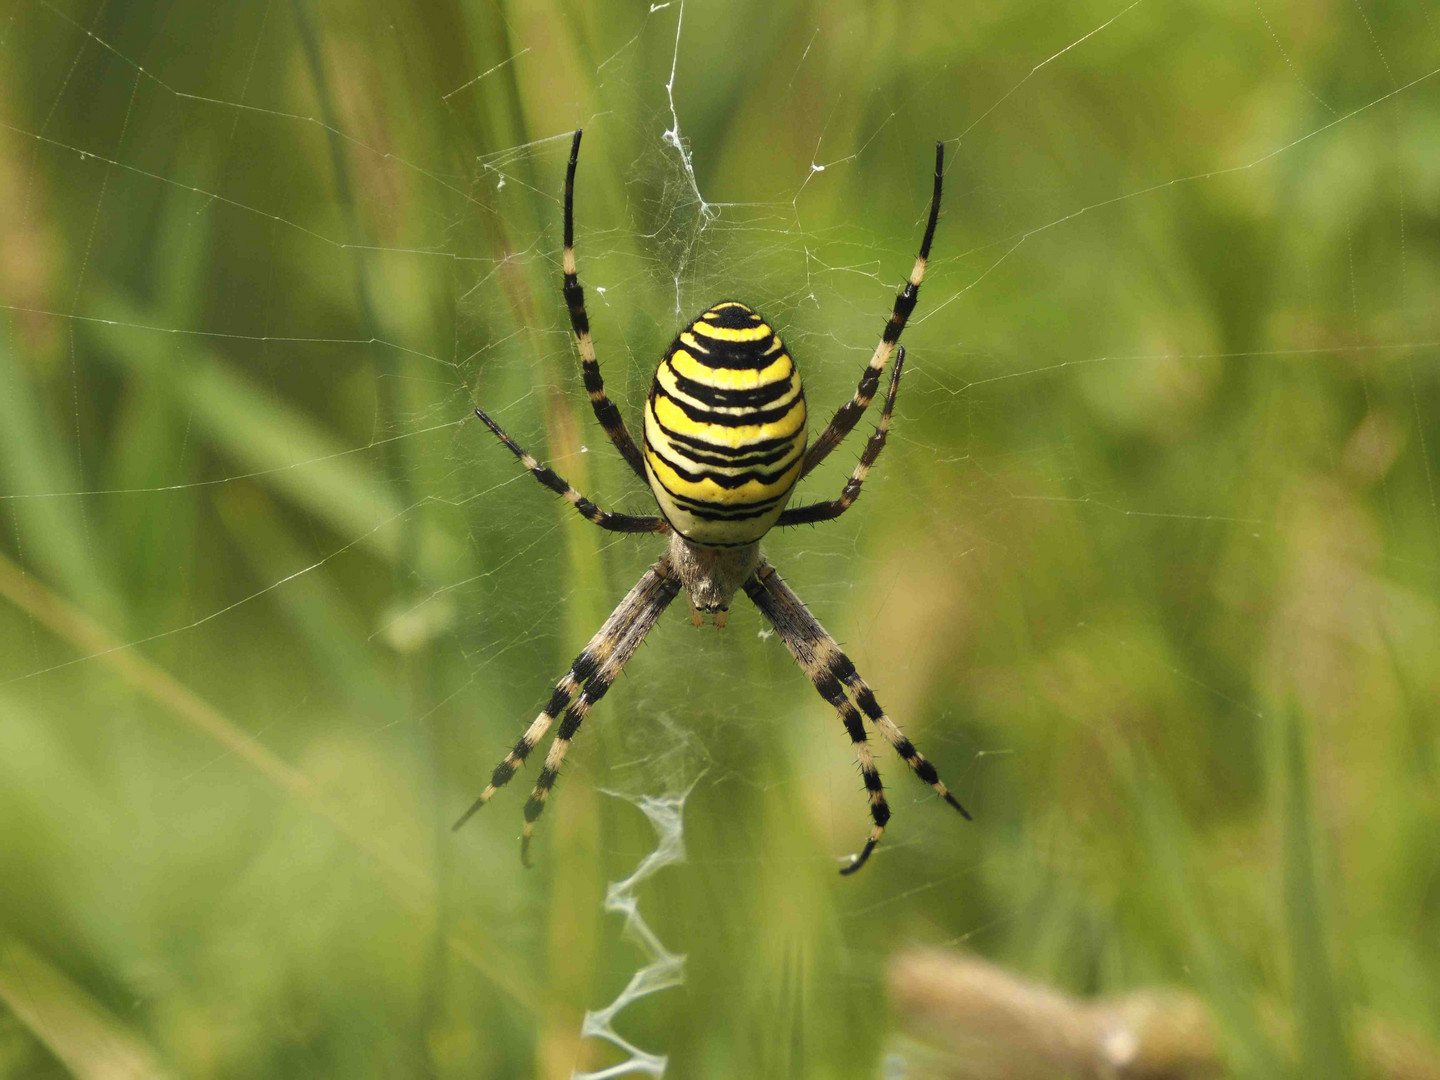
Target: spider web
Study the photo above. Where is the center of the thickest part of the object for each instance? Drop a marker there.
(1162, 472)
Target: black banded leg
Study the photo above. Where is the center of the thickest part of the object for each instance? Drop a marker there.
(626, 523)
(605, 410)
(839, 666)
(865, 698)
(591, 658)
(550, 771)
(623, 632)
(794, 623)
(559, 699)
(811, 647)
(849, 414)
(830, 690)
(824, 511)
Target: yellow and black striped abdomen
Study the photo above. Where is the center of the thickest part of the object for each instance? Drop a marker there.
(725, 428)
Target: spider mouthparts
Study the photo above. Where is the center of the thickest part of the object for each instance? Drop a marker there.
(718, 615)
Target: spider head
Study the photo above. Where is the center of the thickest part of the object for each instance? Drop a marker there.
(711, 575)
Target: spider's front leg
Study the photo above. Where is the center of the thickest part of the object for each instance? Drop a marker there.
(605, 410)
(848, 415)
(827, 666)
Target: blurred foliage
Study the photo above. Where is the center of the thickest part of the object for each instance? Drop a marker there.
(1149, 569)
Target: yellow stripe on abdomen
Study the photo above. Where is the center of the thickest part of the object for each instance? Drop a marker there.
(735, 437)
(707, 490)
(731, 378)
(760, 332)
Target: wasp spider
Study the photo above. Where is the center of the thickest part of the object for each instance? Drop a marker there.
(724, 443)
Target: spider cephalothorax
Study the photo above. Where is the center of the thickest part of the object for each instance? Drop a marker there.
(724, 446)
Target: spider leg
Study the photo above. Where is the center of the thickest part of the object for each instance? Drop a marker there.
(848, 414)
(565, 689)
(825, 511)
(605, 410)
(596, 652)
(828, 667)
(625, 523)
(814, 650)
(610, 649)
(865, 698)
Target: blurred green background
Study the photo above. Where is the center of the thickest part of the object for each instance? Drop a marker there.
(1151, 568)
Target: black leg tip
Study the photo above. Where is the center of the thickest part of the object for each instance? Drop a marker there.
(857, 861)
(939, 154)
(467, 815)
(496, 430)
(956, 804)
(575, 145)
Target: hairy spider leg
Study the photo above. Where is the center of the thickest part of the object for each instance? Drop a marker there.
(626, 523)
(627, 627)
(825, 511)
(849, 414)
(827, 666)
(605, 410)
(590, 675)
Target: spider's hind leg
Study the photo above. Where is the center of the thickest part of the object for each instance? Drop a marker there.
(865, 698)
(624, 630)
(828, 668)
(597, 666)
(815, 651)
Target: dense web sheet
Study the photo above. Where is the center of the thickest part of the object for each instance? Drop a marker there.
(1171, 394)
